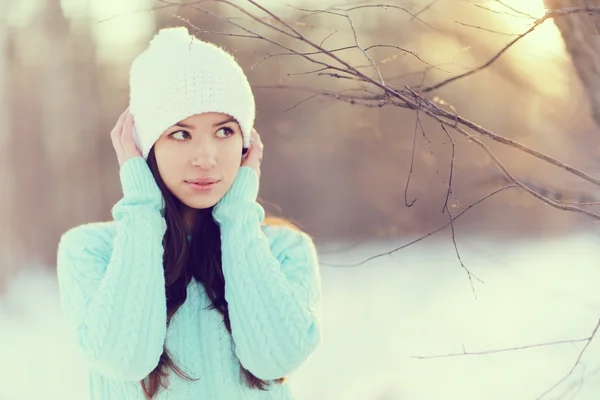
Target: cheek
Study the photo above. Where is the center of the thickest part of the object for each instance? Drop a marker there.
(231, 155)
(230, 164)
(168, 165)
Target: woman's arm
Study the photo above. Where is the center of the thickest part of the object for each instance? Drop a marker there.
(112, 286)
(274, 302)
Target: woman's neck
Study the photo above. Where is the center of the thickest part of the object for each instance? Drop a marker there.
(189, 218)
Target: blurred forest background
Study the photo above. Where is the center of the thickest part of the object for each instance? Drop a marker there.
(338, 170)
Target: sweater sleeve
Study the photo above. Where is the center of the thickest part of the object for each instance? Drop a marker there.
(112, 287)
(274, 302)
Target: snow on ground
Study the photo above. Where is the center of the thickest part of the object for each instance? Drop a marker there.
(378, 318)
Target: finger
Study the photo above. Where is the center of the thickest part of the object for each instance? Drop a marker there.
(255, 136)
(115, 134)
(127, 134)
(260, 145)
(116, 142)
(121, 120)
(256, 140)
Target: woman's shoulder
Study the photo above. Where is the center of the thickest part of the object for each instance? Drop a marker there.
(92, 235)
(283, 234)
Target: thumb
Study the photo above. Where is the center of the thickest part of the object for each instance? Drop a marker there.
(127, 141)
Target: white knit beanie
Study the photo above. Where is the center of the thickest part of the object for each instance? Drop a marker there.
(179, 75)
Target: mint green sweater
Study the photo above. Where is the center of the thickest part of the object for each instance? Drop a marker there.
(112, 290)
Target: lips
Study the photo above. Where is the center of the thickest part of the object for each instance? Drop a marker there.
(203, 181)
(202, 185)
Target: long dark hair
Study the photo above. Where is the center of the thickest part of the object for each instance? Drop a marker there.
(200, 258)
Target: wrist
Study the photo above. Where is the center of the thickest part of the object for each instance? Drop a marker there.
(138, 183)
(245, 187)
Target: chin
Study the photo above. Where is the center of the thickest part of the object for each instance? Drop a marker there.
(200, 204)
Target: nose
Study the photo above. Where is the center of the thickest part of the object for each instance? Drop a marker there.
(204, 156)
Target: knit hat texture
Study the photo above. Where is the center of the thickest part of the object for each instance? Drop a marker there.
(178, 76)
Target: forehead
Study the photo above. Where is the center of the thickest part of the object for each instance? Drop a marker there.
(206, 119)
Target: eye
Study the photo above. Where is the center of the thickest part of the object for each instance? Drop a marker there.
(225, 132)
(180, 135)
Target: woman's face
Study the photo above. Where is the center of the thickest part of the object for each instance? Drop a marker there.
(198, 158)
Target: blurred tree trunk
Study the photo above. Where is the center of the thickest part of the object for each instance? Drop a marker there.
(6, 243)
(581, 33)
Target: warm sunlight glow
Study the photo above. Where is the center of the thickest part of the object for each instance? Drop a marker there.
(540, 57)
(545, 38)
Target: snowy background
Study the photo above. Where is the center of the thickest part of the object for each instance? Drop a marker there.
(57, 56)
(379, 317)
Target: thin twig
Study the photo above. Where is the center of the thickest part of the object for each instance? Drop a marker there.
(510, 177)
(588, 341)
(327, 37)
(308, 72)
(490, 61)
(500, 12)
(412, 164)
(515, 10)
(437, 171)
(366, 54)
(496, 351)
(455, 121)
(382, 6)
(462, 264)
(386, 6)
(137, 12)
(431, 233)
(485, 29)
(445, 207)
(548, 15)
(427, 7)
(300, 102)
(311, 53)
(338, 76)
(557, 194)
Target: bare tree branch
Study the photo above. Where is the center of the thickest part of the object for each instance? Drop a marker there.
(486, 29)
(433, 232)
(521, 185)
(560, 195)
(412, 164)
(454, 121)
(451, 169)
(549, 14)
(364, 51)
(422, 10)
(588, 340)
(335, 51)
(327, 37)
(515, 15)
(451, 220)
(382, 6)
(515, 10)
(407, 99)
(470, 275)
(504, 350)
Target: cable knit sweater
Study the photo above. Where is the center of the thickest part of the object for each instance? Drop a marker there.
(112, 288)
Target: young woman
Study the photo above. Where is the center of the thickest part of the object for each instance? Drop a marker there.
(189, 293)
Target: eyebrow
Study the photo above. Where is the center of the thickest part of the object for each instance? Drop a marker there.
(187, 126)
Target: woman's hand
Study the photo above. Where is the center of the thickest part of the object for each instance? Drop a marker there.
(255, 153)
(122, 138)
